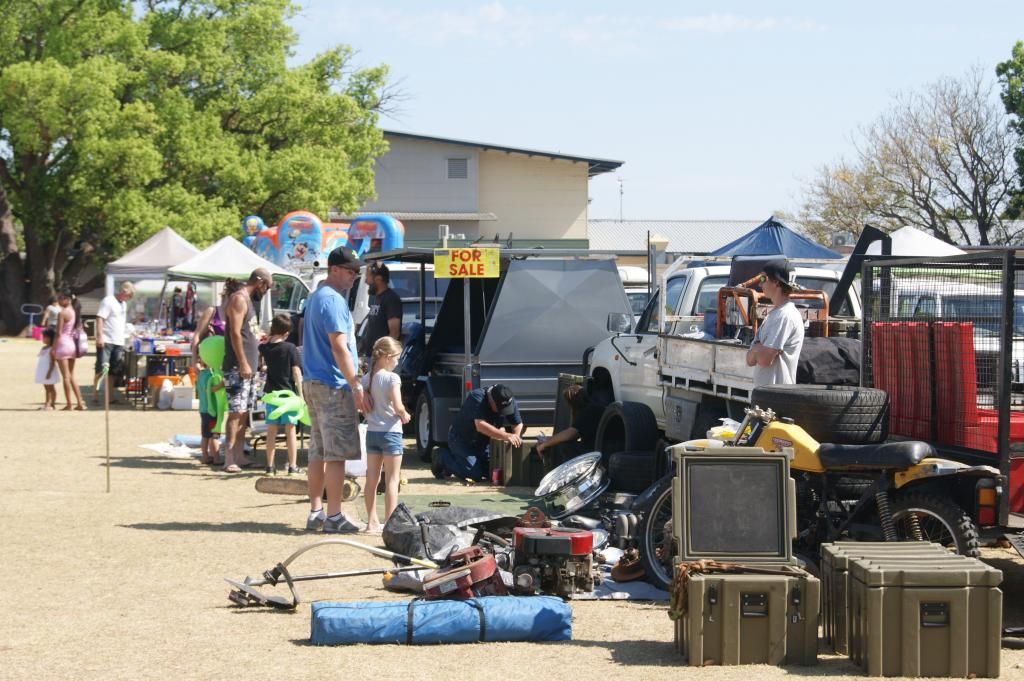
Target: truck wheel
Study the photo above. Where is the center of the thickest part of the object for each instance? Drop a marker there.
(836, 414)
(424, 426)
(655, 535)
(626, 426)
(940, 520)
(631, 472)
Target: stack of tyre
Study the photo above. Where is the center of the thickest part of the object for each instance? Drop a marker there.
(627, 437)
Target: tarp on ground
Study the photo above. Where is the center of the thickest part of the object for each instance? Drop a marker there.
(912, 242)
(773, 238)
(224, 259)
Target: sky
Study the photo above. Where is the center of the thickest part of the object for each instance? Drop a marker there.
(720, 110)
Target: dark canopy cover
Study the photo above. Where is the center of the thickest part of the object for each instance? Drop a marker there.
(772, 237)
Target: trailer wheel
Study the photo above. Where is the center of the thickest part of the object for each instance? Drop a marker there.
(836, 414)
(424, 426)
(655, 536)
(626, 426)
(631, 472)
(939, 519)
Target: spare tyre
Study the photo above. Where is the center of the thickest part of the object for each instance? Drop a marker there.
(830, 413)
(631, 472)
(626, 426)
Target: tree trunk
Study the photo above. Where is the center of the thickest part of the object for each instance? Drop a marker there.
(12, 271)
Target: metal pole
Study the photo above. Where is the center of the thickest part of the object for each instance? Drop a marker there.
(105, 381)
(467, 322)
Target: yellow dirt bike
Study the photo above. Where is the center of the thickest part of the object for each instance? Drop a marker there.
(892, 491)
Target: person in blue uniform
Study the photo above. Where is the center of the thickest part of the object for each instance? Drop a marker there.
(486, 413)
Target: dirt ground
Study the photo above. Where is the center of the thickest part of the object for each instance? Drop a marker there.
(129, 585)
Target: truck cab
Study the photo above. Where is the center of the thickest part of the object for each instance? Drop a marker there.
(625, 366)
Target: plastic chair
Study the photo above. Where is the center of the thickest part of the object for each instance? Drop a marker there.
(31, 310)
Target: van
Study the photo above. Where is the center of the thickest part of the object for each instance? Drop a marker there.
(634, 281)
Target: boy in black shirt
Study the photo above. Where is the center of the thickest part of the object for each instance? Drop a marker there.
(284, 372)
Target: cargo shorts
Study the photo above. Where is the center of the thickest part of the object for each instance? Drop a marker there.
(335, 423)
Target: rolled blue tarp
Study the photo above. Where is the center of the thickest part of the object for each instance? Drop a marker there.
(490, 618)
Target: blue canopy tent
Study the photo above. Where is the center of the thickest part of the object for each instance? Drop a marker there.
(772, 237)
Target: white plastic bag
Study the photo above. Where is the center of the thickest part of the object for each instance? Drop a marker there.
(166, 395)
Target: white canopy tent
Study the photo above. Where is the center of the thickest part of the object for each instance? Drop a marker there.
(228, 258)
(912, 242)
(224, 259)
(150, 259)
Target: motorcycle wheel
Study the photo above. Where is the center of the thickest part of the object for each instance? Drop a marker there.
(657, 541)
(940, 519)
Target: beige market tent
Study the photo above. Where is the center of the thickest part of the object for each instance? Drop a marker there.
(151, 258)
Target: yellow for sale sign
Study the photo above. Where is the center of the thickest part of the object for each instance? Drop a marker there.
(466, 263)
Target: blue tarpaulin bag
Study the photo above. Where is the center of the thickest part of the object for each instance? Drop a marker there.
(490, 618)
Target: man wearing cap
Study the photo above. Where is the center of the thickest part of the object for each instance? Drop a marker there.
(385, 317)
(332, 389)
(241, 359)
(776, 347)
(481, 418)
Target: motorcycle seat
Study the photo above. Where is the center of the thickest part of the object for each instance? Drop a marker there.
(874, 456)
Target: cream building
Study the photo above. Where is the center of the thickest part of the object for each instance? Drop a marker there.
(481, 190)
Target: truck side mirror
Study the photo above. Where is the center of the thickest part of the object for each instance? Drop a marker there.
(619, 322)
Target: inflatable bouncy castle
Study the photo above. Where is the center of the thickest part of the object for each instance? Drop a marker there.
(301, 239)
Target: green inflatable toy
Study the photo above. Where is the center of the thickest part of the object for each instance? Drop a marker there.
(211, 352)
(287, 402)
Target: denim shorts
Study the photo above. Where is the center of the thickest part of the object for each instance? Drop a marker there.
(388, 444)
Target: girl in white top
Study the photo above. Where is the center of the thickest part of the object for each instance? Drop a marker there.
(384, 430)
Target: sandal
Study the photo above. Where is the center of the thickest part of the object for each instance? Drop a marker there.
(232, 469)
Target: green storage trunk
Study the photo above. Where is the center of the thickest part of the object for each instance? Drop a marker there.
(927, 617)
(835, 560)
(742, 618)
(517, 467)
(750, 619)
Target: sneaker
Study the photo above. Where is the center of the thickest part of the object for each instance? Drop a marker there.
(340, 525)
(269, 470)
(294, 470)
(315, 523)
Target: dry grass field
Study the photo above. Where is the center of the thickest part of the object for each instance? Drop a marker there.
(129, 585)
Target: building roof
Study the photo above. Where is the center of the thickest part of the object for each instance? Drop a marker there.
(595, 166)
(400, 215)
(684, 236)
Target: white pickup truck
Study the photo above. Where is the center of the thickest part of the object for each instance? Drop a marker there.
(688, 383)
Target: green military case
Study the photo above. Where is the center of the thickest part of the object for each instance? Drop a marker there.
(518, 468)
(750, 619)
(742, 618)
(835, 559)
(928, 617)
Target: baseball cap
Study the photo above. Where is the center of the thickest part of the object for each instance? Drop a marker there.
(779, 270)
(344, 257)
(503, 399)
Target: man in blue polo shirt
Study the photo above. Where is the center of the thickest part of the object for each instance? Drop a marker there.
(482, 417)
(332, 389)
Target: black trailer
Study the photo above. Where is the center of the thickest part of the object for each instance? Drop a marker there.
(944, 336)
(521, 329)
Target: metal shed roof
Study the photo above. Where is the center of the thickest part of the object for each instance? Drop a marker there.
(595, 166)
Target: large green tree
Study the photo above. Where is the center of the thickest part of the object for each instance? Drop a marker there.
(1011, 80)
(939, 159)
(120, 117)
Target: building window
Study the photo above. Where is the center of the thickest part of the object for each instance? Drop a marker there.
(458, 168)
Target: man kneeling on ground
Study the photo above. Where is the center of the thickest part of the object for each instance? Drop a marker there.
(481, 418)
